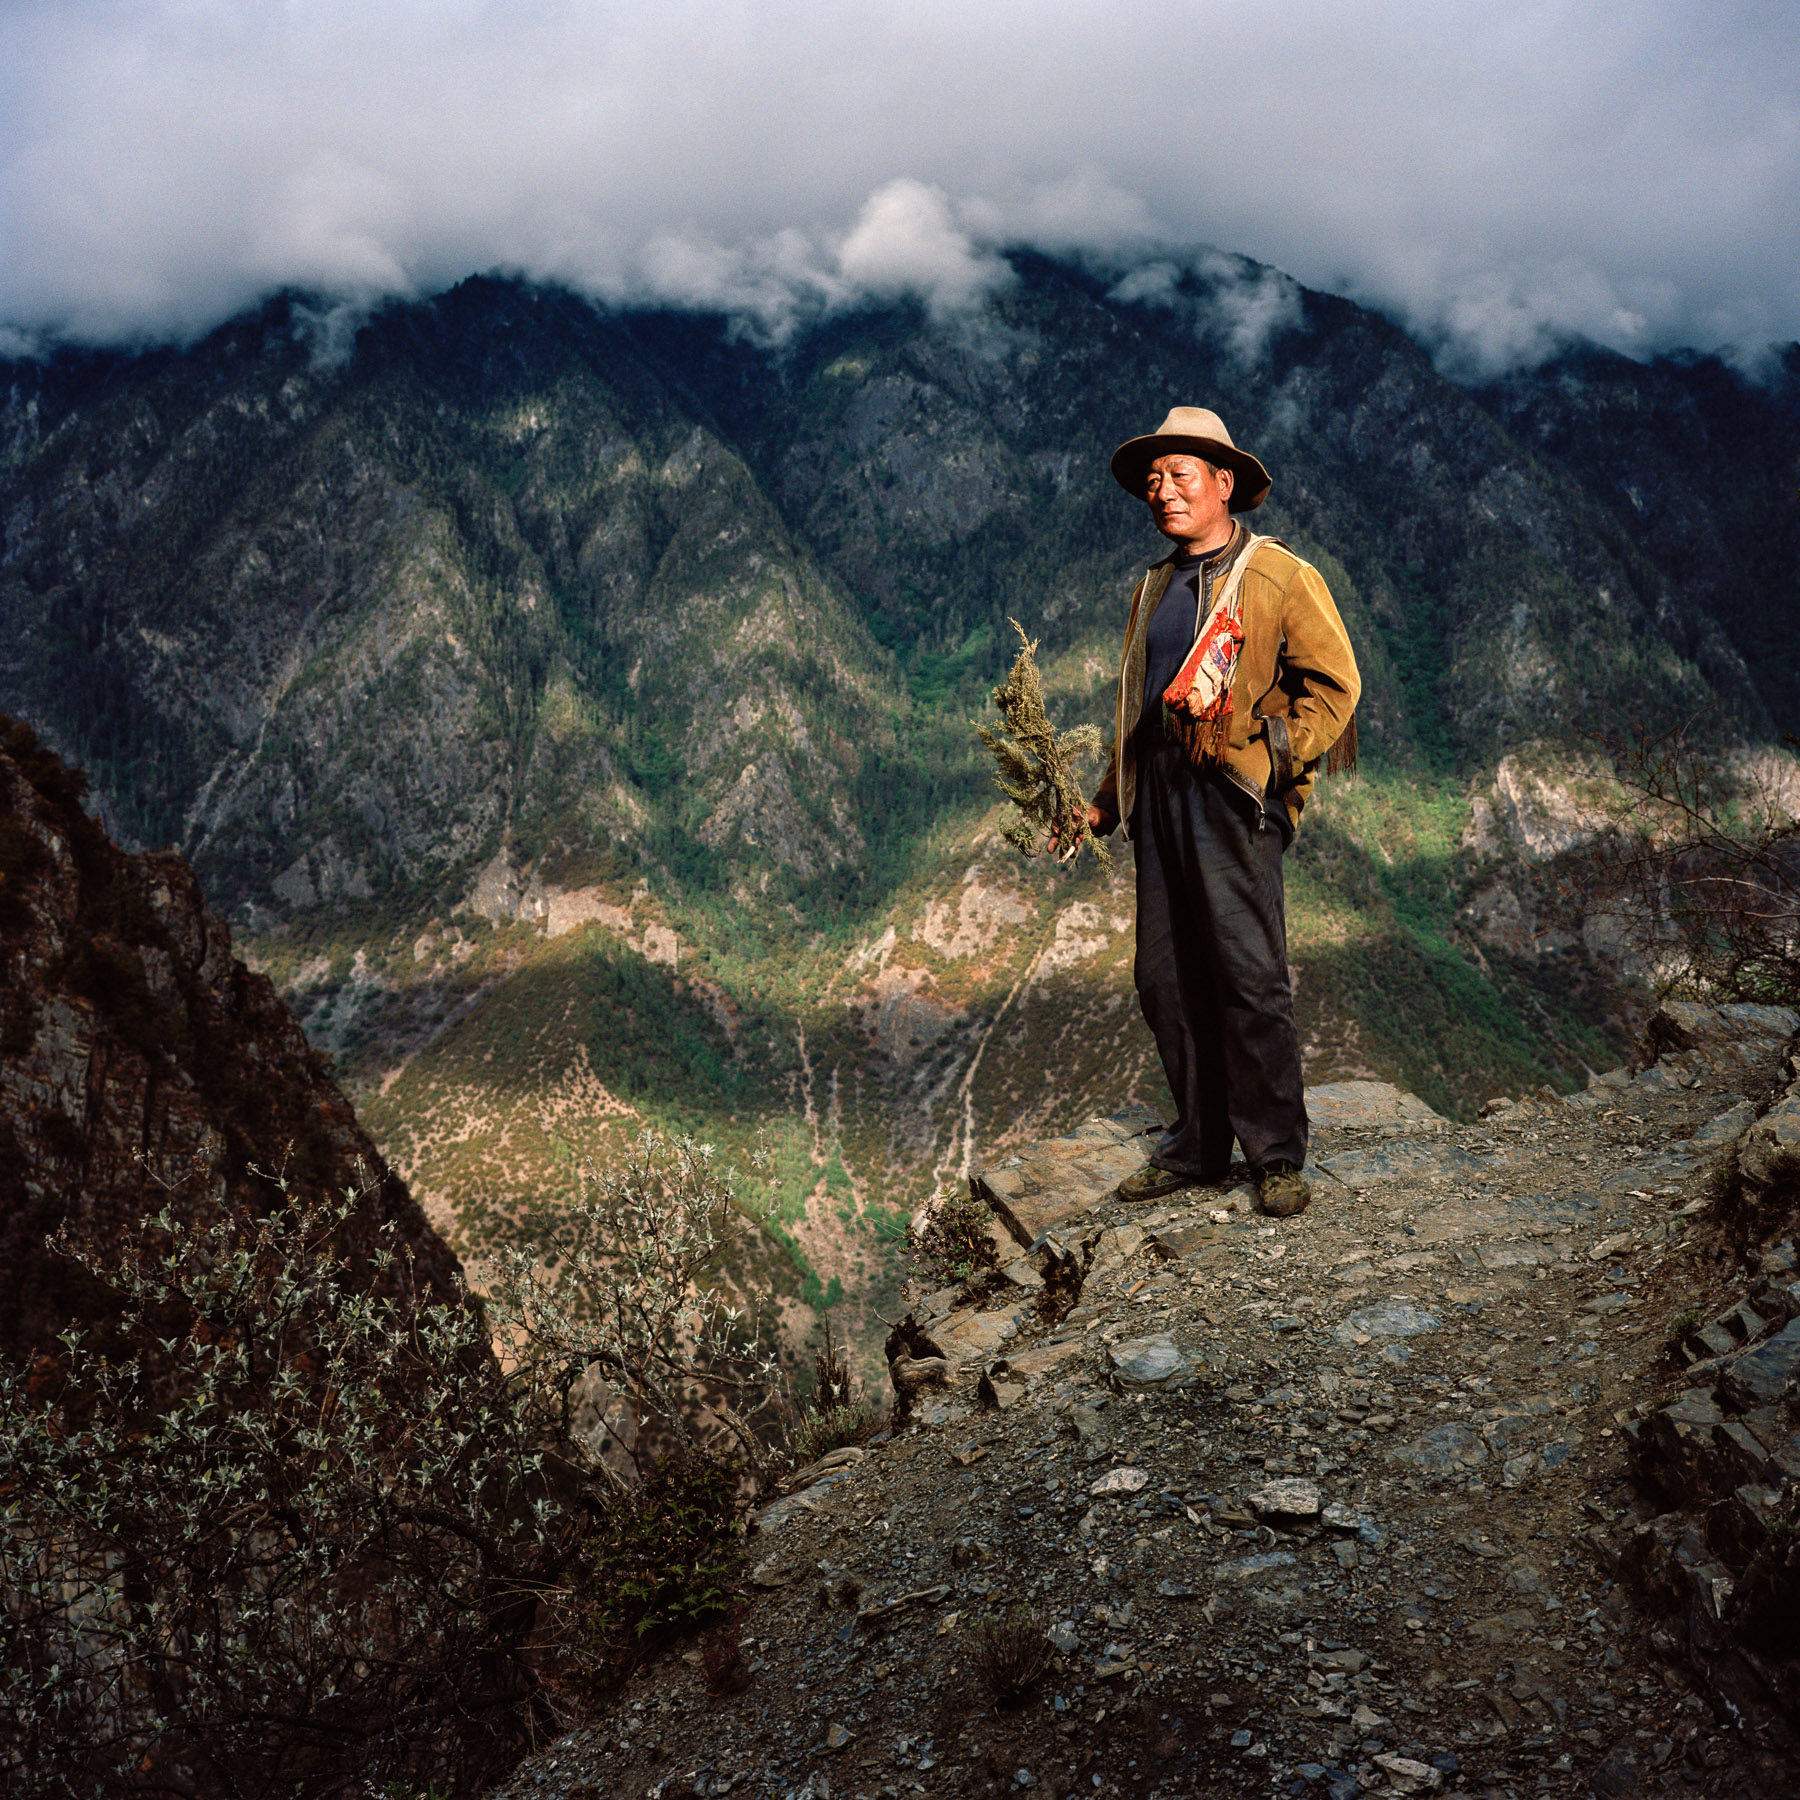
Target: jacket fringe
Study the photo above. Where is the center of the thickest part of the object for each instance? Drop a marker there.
(1204, 740)
(1340, 759)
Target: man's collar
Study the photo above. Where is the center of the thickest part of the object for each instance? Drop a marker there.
(1230, 545)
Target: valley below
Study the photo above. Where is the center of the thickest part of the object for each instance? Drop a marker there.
(573, 710)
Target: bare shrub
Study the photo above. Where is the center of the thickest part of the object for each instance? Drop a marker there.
(1011, 1650)
(628, 1282)
(1700, 870)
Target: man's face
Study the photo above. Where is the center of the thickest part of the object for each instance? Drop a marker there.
(1189, 502)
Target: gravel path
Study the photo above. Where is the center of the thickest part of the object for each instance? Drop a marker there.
(1325, 1506)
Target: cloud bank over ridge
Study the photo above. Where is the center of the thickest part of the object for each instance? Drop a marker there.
(1497, 176)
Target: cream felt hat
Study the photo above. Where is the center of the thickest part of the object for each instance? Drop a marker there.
(1201, 433)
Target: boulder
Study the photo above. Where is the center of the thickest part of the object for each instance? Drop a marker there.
(1738, 1032)
(1770, 1148)
(1149, 1362)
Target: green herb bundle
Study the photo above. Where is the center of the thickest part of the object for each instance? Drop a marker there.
(1036, 764)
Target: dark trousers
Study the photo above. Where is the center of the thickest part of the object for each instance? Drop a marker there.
(1212, 969)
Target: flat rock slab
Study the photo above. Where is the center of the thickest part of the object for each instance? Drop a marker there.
(1460, 1220)
(1494, 1257)
(1369, 1106)
(1551, 1212)
(772, 1572)
(941, 1412)
(1770, 1141)
(1744, 1031)
(1503, 1628)
(1400, 1159)
(1506, 1425)
(1039, 1191)
(1260, 1568)
(1405, 1776)
(782, 1512)
(1177, 1241)
(1667, 1168)
(1389, 1319)
(1728, 1127)
(1149, 1362)
(1109, 1248)
(1119, 1481)
(1761, 1376)
(1452, 1445)
(1605, 1303)
(1000, 1388)
(1035, 1364)
(972, 1337)
(1287, 1500)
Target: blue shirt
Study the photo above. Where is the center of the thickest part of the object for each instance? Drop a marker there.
(1172, 630)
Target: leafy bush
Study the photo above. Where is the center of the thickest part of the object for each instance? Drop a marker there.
(287, 1524)
(662, 1562)
(291, 1526)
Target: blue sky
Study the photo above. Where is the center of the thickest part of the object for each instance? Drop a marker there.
(1496, 176)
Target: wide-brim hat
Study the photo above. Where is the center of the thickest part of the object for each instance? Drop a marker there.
(1201, 433)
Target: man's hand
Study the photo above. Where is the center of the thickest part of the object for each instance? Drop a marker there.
(1095, 819)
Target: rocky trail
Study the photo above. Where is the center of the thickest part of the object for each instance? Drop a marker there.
(1465, 1481)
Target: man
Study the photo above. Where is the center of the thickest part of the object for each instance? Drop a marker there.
(1236, 684)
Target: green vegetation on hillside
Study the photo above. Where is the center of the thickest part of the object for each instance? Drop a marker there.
(686, 636)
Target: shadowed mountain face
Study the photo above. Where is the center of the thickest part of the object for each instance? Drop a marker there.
(572, 709)
(142, 1065)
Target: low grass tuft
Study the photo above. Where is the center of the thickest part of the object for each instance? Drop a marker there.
(1011, 1651)
(955, 1243)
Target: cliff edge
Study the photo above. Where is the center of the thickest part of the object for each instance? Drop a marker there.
(1475, 1479)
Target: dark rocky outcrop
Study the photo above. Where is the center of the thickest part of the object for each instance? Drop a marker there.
(141, 1063)
(1718, 1562)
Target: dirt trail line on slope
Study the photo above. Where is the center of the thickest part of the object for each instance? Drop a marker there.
(1327, 1506)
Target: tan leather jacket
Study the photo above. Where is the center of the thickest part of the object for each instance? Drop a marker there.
(1294, 695)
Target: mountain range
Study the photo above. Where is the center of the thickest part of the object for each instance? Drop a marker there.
(572, 708)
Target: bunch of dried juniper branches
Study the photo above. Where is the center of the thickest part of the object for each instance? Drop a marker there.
(1035, 765)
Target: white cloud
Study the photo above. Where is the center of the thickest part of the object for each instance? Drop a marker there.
(1225, 299)
(906, 241)
(1496, 173)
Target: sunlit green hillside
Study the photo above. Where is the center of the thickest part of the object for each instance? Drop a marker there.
(574, 710)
